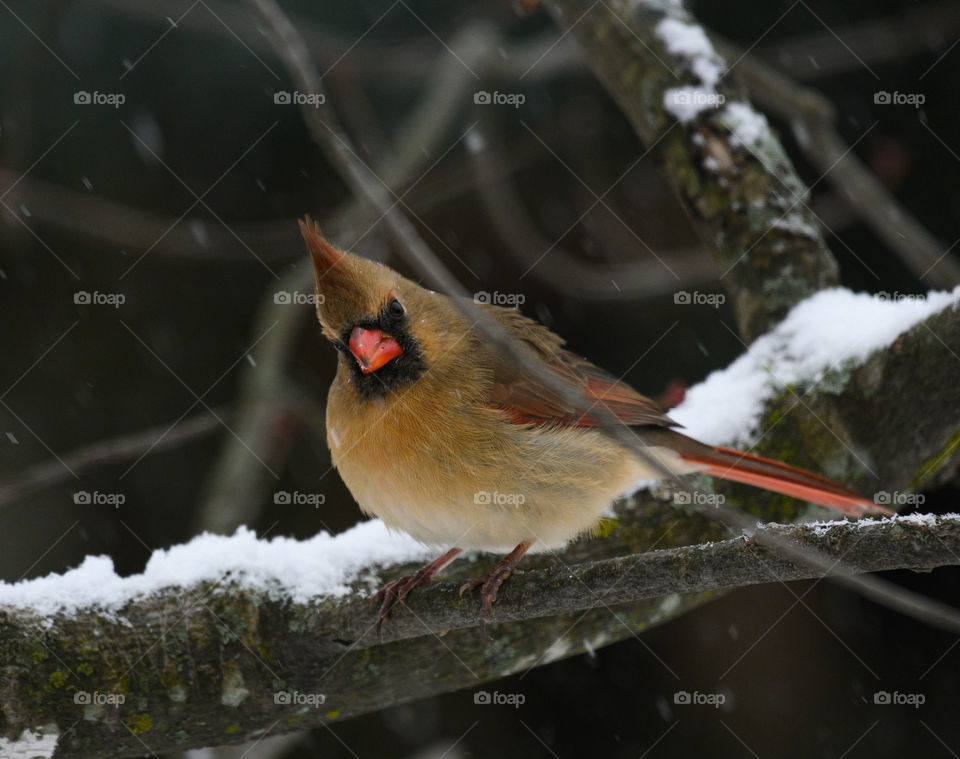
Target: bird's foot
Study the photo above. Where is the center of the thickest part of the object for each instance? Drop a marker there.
(397, 590)
(490, 582)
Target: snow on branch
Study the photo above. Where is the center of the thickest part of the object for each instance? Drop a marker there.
(224, 637)
(223, 659)
(832, 330)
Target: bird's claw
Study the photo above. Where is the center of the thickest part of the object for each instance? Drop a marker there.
(394, 592)
(489, 583)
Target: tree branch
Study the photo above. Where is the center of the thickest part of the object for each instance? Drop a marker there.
(207, 665)
(110, 451)
(767, 245)
(335, 144)
(812, 119)
(202, 665)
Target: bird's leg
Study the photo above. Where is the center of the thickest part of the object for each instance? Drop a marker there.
(398, 589)
(490, 582)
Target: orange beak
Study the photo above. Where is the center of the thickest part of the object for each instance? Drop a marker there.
(372, 348)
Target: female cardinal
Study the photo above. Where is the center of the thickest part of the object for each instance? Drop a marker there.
(438, 435)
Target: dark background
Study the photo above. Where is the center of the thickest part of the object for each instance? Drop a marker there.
(198, 82)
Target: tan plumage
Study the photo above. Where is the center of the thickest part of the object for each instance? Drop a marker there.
(444, 439)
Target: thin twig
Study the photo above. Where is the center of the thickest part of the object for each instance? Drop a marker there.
(111, 451)
(566, 273)
(235, 491)
(326, 131)
(811, 117)
(928, 29)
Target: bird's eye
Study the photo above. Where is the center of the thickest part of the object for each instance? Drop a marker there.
(395, 309)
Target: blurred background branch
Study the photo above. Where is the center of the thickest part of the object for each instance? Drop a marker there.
(122, 448)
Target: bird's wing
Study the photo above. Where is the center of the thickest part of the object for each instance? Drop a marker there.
(526, 400)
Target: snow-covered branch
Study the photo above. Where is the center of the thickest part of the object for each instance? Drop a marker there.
(225, 638)
(209, 644)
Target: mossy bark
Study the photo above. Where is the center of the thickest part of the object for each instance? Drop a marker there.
(890, 425)
(201, 666)
(749, 209)
(208, 665)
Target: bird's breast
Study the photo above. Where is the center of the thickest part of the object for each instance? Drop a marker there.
(469, 478)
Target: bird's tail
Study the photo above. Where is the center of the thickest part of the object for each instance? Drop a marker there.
(730, 464)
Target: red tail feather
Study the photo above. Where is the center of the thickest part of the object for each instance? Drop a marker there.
(729, 464)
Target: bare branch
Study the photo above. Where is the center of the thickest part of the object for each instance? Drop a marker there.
(928, 28)
(811, 117)
(746, 204)
(112, 451)
(565, 273)
(235, 490)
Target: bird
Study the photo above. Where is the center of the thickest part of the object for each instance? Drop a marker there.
(440, 436)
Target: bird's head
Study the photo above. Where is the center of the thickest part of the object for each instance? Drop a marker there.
(378, 320)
